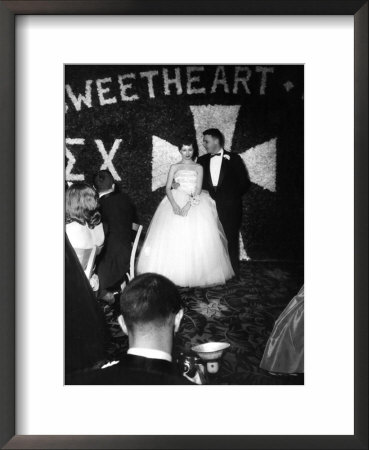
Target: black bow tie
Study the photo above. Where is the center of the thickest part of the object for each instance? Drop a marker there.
(215, 154)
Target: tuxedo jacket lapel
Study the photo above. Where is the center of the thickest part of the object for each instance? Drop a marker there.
(223, 169)
(208, 174)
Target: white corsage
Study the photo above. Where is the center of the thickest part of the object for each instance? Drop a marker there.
(94, 282)
(195, 200)
(227, 157)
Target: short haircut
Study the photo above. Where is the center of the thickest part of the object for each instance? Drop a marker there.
(103, 180)
(149, 298)
(215, 133)
(81, 205)
(193, 144)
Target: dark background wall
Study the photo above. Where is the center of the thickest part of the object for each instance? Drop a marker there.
(269, 107)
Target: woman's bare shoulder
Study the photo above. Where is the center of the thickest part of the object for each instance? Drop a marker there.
(174, 166)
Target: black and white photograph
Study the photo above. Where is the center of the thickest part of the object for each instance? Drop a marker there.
(184, 224)
(175, 177)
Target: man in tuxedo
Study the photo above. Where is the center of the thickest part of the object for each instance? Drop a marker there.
(150, 314)
(226, 179)
(117, 214)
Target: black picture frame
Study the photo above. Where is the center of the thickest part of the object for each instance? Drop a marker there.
(8, 12)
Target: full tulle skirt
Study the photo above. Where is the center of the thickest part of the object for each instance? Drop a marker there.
(189, 250)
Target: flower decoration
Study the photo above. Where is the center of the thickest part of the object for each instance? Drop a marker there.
(94, 282)
(195, 200)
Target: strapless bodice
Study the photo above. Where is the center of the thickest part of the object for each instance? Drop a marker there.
(187, 180)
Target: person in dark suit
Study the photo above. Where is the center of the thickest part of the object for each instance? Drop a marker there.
(117, 214)
(226, 179)
(86, 332)
(150, 314)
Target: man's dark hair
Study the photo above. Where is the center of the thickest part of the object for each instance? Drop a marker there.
(103, 180)
(215, 133)
(149, 298)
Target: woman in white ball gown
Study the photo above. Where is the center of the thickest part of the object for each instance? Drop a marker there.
(185, 241)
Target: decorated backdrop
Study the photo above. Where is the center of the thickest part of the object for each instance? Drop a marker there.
(131, 120)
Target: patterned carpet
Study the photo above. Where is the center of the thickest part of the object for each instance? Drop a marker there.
(242, 313)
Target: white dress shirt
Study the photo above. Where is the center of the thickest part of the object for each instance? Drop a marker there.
(150, 353)
(215, 166)
(101, 194)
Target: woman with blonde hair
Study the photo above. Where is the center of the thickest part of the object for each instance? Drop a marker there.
(83, 220)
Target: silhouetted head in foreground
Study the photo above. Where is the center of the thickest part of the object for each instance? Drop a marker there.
(150, 312)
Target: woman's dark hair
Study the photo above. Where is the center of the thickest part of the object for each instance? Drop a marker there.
(149, 298)
(81, 205)
(215, 133)
(193, 144)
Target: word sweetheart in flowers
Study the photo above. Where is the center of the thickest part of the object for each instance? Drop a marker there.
(190, 80)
